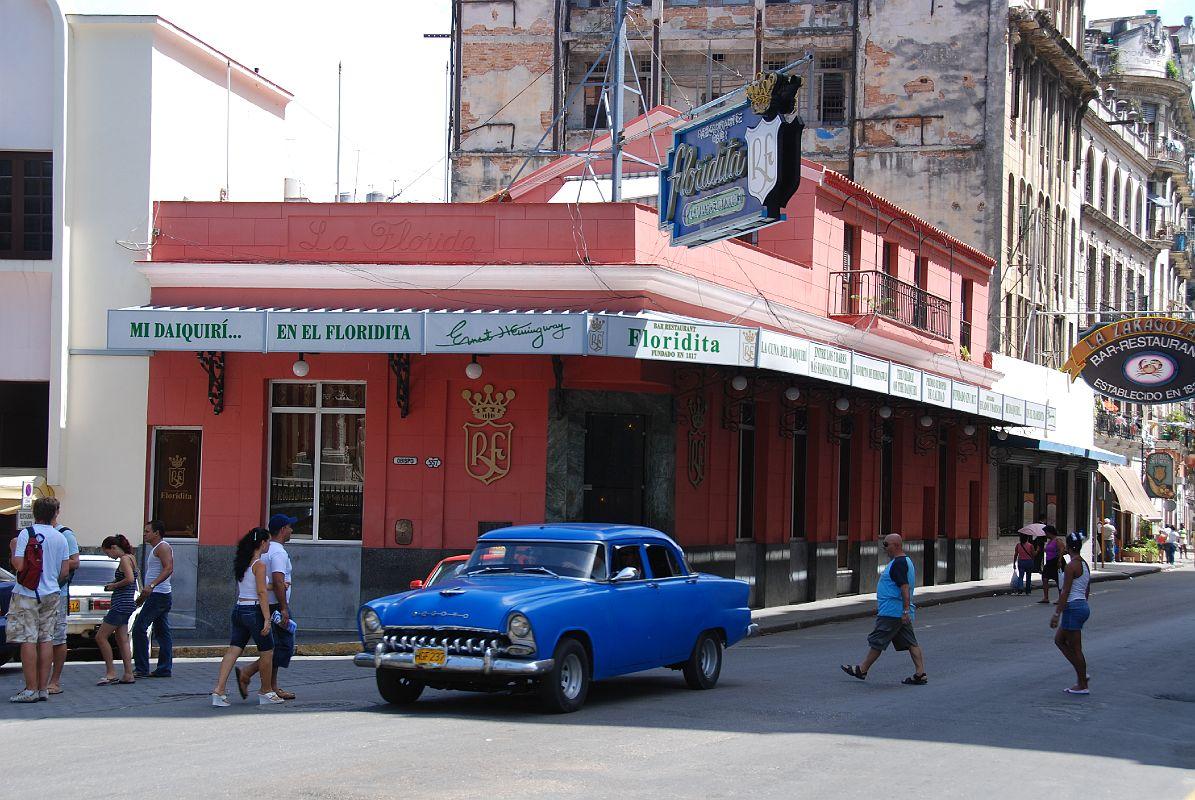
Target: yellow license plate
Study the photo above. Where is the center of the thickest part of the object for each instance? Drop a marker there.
(430, 657)
(74, 606)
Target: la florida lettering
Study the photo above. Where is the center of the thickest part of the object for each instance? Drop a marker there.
(331, 332)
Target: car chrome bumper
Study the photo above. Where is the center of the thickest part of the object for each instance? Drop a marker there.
(475, 665)
(752, 630)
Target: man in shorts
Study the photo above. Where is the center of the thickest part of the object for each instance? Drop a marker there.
(64, 601)
(278, 579)
(33, 613)
(894, 615)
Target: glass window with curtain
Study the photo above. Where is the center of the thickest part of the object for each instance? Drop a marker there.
(317, 458)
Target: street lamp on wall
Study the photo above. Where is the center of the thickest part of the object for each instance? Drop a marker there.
(300, 367)
(738, 383)
(473, 370)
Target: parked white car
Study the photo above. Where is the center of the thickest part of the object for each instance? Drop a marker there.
(89, 601)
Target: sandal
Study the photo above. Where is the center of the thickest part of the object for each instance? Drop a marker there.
(854, 671)
(106, 681)
(126, 683)
(242, 686)
(916, 680)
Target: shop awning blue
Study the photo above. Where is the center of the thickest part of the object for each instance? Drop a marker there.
(1047, 446)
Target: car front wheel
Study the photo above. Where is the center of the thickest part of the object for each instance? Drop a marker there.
(565, 687)
(705, 662)
(396, 688)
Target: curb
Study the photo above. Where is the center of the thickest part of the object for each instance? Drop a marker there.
(308, 649)
(867, 608)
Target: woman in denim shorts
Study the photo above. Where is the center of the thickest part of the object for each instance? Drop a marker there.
(124, 589)
(250, 618)
(1072, 612)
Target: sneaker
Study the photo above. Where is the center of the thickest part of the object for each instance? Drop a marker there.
(219, 700)
(269, 699)
(43, 695)
(24, 696)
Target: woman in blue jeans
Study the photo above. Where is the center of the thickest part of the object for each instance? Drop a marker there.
(250, 618)
(1025, 555)
(1072, 612)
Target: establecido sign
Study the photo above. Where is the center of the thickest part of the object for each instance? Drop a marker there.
(1141, 360)
(733, 172)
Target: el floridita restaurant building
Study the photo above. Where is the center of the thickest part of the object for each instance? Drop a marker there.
(403, 377)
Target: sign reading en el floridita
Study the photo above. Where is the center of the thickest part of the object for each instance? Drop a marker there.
(1139, 360)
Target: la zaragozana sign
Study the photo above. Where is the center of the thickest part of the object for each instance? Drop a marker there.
(654, 337)
(1141, 360)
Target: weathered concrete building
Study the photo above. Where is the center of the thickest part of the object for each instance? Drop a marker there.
(967, 113)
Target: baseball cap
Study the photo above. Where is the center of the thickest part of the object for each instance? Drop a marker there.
(280, 521)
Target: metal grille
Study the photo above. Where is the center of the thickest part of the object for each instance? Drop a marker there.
(456, 641)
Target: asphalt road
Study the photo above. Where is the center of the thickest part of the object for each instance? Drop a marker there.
(783, 722)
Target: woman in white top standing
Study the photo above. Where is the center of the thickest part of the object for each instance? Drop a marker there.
(1072, 612)
(250, 617)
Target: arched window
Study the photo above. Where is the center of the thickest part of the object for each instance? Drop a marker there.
(1116, 195)
(1138, 205)
(1012, 215)
(1089, 177)
(1103, 202)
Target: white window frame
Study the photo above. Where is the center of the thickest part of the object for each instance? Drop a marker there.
(318, 411)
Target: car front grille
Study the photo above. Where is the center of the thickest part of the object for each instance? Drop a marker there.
(456, 641)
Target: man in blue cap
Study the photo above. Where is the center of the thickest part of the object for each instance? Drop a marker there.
(278, 571)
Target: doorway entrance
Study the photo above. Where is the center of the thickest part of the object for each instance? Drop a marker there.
(615, 451)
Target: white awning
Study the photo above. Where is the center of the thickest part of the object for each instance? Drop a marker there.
(648, 335)
(1126, 483)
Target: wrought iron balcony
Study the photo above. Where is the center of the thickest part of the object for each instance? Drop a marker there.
(864, 293)
(1118, 425)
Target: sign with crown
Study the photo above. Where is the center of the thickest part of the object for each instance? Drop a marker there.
(488, 442)
(732, 173)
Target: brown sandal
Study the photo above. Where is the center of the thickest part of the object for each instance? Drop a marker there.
(854, 671)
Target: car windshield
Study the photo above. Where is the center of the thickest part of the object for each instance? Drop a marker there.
(565, 559)
(94, 573)
(445, 571)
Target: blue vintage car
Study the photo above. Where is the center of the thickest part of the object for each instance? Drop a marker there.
(549, 608)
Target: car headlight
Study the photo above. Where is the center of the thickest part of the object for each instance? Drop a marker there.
(519, 627)
(370, 622)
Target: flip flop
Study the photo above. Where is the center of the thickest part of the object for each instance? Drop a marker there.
(54, 690)
(107, 681)
(126, 683)
(285, 695)
(853, 671)
(916, 680)
(241, 686)
(1069, 690)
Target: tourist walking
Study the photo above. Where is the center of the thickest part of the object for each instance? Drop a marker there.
(1183, 538)
(155, 601)
(124, 591)
(1072, 612)
(40, 560)
(278, 572)
(1108, 537)
(250, 618)
(1171, 544)
(894, 615)
(1052, 552)
(1023, 556)
(64, 603)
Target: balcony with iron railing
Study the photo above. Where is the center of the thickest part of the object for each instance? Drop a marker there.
(1118, 426)
(1168, 154)
(868, 293)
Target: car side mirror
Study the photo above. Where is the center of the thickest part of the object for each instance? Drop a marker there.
(416, 584)
(626, 574)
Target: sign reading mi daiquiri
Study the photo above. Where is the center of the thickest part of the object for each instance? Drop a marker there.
(732, 172)
(1141, 360)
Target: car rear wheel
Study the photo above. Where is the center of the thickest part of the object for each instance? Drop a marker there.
(705, 662)
(396, 688)
(564, 689)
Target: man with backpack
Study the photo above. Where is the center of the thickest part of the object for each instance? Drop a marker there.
(41, 560)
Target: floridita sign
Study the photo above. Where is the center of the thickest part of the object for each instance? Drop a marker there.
(1140, 360)
(732, 172)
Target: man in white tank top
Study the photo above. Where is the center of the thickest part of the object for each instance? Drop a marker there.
(155, 600)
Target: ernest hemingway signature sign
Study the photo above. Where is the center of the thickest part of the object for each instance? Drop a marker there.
(448, 332)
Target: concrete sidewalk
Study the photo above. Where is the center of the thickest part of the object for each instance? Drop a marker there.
(770, 620)
(821, 612)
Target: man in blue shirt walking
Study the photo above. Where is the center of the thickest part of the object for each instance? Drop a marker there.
(894, 614)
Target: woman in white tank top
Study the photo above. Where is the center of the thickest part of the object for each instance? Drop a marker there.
(1072, 611)
(250, 618)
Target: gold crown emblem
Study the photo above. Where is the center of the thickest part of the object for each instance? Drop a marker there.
(488, 406)
(177, 461)
(760, 92)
